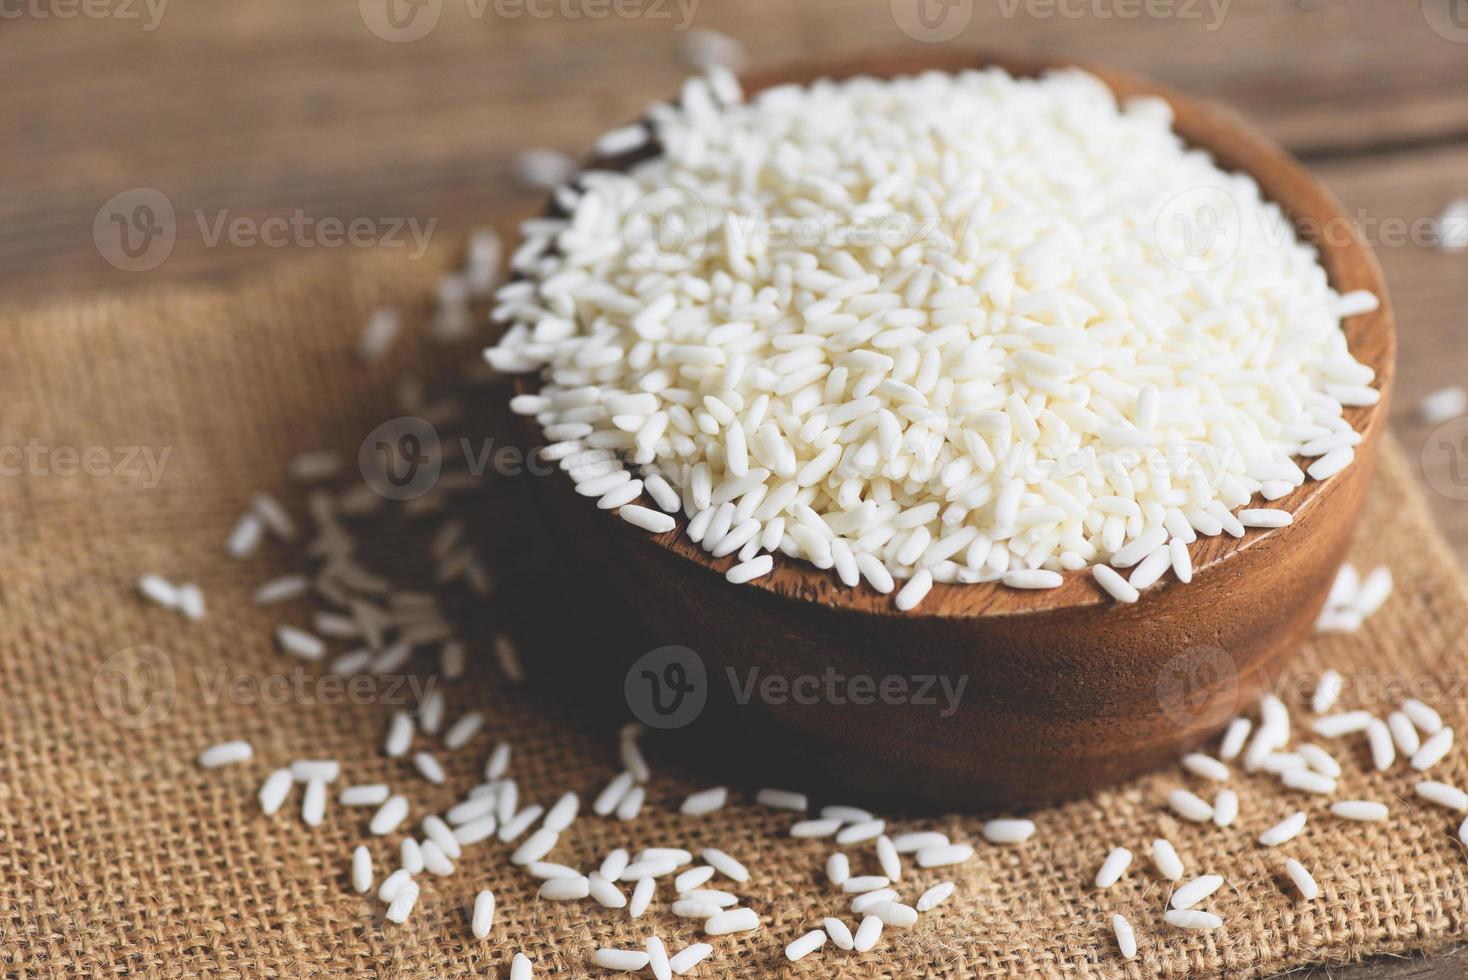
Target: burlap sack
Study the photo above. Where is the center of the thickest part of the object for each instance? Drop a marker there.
(119, 856)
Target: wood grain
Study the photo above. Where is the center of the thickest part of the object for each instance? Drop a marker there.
(270, 106)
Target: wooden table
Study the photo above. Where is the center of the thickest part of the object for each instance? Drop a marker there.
(280, 108)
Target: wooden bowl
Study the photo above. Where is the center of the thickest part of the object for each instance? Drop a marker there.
(1057, 692)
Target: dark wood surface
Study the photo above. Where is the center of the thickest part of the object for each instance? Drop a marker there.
(273, 107)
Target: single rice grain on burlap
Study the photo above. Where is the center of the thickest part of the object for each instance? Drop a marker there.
(119, 856)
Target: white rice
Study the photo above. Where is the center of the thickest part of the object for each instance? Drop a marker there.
(282, 589)
(862, 831)
(731, 921)
(942, 857)
(805, 945)
(649, 867)
(535, 847)
(642, 894)
(298, 643)
(815, 828)
(858, 884)
(1433, 750)
(935, 896)
(1117, 587)
(887, 858)
(621, 960)
(378, 334)
(393, 885)
(868, 901)
(472, 809)
(439, 832)
(725, 864)
(562, 813)
(1345, 723)
(914, 841)
(435, 861)
(1126, 938)
(781, 799)
(1115, 865)
(689, 957)
(1320, 760)
(1443, 795)
(631, 804)
(274, 516)
(1234, 738)
(191, 602)
(521, 968)
(326, 770)
(605, 892)
(543, 169)
(606, 801)
(1442, 405)
(1308, 781)
(705, 802)
(1225, 808)
(274, 790)
(313, 803)
(1404, 733)
(867, 934)
(462, 731)
(477, 830)
(429, 767)
(1427, 720)
(692, 878)
(1206, 767)
(565, 889)
(362, 870)
(1364, 810)
(1286, 830)
(1164, 855)
(896, 914)
(838, 868)
(399, 735)
(1195, 891)
(499, 761)
(410, 856)
(839, 932)
(1190, 806)
(226, 754)
(1192, 919)
(1383, 748)
(1304, 882)
(402, 903)
(1002, 831)
(388, 816)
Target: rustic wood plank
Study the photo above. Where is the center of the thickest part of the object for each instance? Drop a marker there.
(269, 107)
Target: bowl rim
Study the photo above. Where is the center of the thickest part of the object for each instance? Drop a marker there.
(1237, 147)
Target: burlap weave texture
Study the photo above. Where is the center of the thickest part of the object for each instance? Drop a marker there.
(119, 856)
